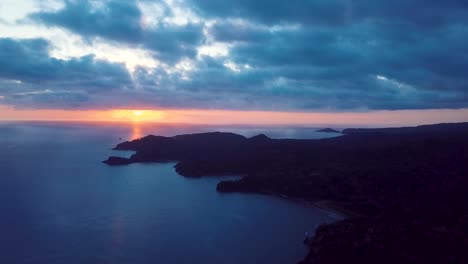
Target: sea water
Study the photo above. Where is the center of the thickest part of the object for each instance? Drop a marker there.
(60, 204)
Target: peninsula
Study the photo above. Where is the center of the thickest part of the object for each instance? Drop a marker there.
(406, 187)
(328, 130)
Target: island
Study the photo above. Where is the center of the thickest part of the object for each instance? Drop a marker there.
(405, 189)
(328, 130)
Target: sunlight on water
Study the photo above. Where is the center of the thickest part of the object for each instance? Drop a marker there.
(136, 132)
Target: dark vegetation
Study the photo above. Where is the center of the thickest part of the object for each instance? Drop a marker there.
(407, 187)
(328, 130)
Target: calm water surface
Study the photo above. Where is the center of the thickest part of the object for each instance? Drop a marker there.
(60, 204)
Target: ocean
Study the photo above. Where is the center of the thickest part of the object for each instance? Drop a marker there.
(60, 204)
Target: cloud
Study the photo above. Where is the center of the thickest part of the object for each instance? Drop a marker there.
(47, 99)
(28, 60)
(344, 61)
(335, 12)
(333, 55)
(28, 71)
(123, 21)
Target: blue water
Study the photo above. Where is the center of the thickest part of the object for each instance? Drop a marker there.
(60, 204)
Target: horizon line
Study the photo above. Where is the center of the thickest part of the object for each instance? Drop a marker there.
(239, 117)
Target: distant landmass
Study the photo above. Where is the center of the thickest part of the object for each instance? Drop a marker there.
(405, 189)
(328, 130)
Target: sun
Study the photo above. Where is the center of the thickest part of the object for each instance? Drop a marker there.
(132, 115)
(138, 113)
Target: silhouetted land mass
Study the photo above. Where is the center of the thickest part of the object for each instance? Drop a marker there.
(328, 130)
(115, 161)
(407, 187)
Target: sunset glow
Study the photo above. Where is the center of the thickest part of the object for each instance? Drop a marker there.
(164, 131)
(373, 118)
(131, 115)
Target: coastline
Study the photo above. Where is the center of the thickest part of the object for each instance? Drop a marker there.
(333, 206)
(383, 185)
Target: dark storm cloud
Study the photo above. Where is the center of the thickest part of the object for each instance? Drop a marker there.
(122, 21)
(274, 11)
(419, 68)
(283, 55)
(335, 12)
(229, 32)
(296, 48)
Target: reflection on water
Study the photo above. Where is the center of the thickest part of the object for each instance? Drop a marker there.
(136, 131)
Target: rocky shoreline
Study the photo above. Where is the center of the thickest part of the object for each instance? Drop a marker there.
(405, 188)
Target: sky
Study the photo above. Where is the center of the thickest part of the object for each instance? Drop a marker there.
(264, 61)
